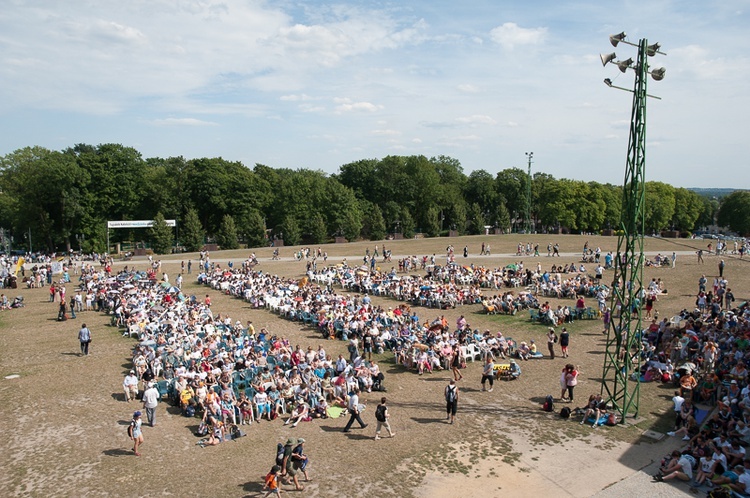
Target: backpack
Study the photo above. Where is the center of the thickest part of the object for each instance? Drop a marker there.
(565, 412)
(279, 454)
(450, 394)
(380, 413)
(549, 404)
(612, 419)
(189, 411)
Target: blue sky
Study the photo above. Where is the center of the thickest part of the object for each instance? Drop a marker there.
(317, 84)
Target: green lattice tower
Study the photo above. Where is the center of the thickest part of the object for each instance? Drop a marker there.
(622, 357)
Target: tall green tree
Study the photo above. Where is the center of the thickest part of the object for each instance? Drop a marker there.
(431, 225)
(373, 224)
(475, 219)
(253, 229)
(316, 227)
(226, 235)
(160, 235)
(688, 207)
(191, 231)
(290, 231)
(659, 205)
(735, 212)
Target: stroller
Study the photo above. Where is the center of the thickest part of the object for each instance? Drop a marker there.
(17, 302)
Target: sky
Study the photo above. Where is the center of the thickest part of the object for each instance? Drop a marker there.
(319, 84)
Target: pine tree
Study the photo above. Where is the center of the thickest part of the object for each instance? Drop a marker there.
(226, 236)
(191, 231)
(160, 235)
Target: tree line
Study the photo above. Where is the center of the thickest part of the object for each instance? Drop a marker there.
(64, 199)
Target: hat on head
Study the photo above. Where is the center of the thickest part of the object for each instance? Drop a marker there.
(137, 414)
(734, 381)
(291, 441)
(300, 441)
(132, 371)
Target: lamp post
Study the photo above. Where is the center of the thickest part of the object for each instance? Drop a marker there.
(527, 223)
(622, 356)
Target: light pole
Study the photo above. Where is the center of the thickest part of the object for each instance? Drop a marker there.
(622, 357)
(527, 222)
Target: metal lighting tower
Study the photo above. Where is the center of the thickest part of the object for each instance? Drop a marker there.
(527, 217)
(622, 356)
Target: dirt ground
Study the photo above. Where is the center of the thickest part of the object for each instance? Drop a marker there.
(64, 419)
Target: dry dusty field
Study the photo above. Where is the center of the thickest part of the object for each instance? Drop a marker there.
(64, 419)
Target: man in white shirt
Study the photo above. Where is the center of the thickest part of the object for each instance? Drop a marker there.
(150, 401)
(130, 386)
(354, 411)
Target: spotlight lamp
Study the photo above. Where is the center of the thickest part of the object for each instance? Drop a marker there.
(658, 73)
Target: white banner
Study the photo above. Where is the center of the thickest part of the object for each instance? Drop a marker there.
(137, 224)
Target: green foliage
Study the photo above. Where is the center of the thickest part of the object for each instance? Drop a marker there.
(290, 231)
(476, 220)
(735, 212)
(407, 223)
(660, 205)
(373, 224)
(688, 207)
(253, 229)
(226, 236)
(316, 227)
(77, 190)
(431, 224)
(160, 235)
(191, 232)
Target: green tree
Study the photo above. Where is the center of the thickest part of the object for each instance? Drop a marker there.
(160, 235)
(253, 229)
(501, 216)
(290, 231)
(688, 206)
(659, 207)
(456, 218)
(476, 220)
(407, 223)
(191, 231)
(373, 224)
(226, 236)
(431, 225)
(316, 227)
(735, 212)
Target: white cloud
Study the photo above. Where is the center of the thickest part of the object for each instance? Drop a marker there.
(385, 133)
(347, 105)
(466, 88)
(295, 98)
(182, 122)
(476, 119)
(509, 35)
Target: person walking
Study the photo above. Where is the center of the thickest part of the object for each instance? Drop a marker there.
(456, 362)
(150, 401)
(382, 415)
(564, 342)
(84, 337)
(354, 410)
(451, 401)
(674, 259)
(721, 268)
(551, 340)
(488, 373)
(134, 431)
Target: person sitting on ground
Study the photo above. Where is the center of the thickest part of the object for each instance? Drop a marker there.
(680, 467)
(523, 351)
(708, 465)
(300, 412)
(595, 407)
(515, 370)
